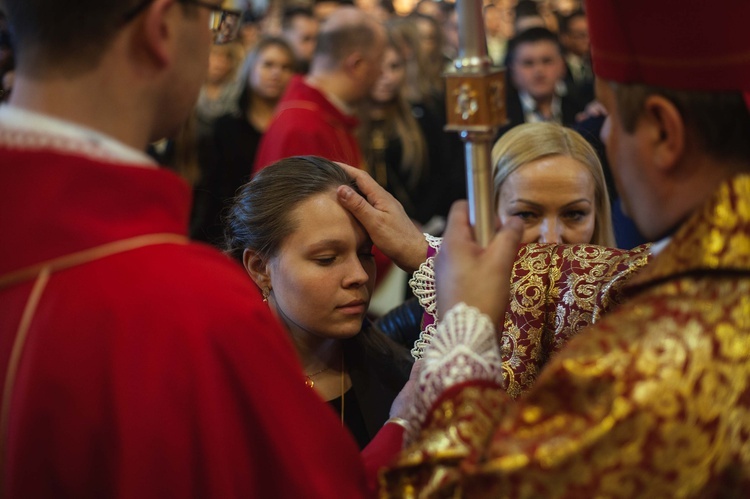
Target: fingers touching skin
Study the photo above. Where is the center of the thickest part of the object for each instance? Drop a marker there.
(385, 220)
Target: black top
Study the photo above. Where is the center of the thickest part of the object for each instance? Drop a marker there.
(376, 380)
(353, 419)
(226, 159)
(443, 179)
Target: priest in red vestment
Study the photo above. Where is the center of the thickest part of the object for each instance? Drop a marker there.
(651, 400)
(135, 363)
(316, 114)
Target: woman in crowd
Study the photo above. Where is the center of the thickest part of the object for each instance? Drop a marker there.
(220, 90)
(424, 82)
(403, 143)
(552, 179)
(312, 262)
(228, 156)
(425, 94)
(549, 177)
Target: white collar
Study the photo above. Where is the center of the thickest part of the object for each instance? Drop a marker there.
(70, 136)
(529, 106)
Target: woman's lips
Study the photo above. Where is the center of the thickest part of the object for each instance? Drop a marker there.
(354, 307)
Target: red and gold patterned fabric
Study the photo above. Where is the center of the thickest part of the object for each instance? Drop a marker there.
(151, 373)
(556, 291)
(653, 400)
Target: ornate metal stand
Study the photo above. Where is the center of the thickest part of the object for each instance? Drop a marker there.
(475, 104)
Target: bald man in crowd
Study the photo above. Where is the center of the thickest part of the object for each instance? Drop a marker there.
(316, 114)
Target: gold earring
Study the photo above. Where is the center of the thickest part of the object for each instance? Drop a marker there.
(266, 293)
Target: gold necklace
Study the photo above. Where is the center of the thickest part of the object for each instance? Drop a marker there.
(342, 389)
(309, 382)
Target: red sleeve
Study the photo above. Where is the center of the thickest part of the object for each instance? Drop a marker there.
(148, 388)
(381, 451)
(382, 265)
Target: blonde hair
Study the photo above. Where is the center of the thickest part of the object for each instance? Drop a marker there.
(399, 123)
(532, 141)
(423, 84)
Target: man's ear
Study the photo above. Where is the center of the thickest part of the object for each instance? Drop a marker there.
(665, 131)
(355, 64)
(158, 35)
(257, 268)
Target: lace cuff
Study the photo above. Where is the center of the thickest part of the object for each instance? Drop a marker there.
(422, 285)
(463, 348)
(422, 282)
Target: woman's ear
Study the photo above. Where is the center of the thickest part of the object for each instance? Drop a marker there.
(257, 268)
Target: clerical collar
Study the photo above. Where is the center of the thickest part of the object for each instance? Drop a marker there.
(43, 125)
(531, 113)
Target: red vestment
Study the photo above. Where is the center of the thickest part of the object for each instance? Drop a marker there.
(650, 400)
(151, 372)
(307, 123)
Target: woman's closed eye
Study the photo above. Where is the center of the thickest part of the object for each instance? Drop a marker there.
(325, 261)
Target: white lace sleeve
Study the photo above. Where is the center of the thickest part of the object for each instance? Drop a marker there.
(422, 282)
(422, 285)
(463, 348)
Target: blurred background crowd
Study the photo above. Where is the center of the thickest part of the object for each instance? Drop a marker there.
(399, 110)
(544, 45)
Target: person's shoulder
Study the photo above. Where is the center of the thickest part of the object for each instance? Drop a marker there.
(191, 282)
(204, 267)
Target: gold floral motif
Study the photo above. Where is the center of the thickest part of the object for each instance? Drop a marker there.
(556, 291)
(651, 401)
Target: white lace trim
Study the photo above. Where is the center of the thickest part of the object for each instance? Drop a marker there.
(422, 282)
(425, 338)
(463, 348)
(422, 285)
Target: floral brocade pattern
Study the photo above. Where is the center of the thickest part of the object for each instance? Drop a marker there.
(555, 292)
(653, 400)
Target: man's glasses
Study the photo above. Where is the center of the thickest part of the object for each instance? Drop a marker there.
(224, 23)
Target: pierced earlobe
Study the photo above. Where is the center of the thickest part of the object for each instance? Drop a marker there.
(266, 292)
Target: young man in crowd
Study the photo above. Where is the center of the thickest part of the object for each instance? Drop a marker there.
(299, 27)
(574, 36)
(537, 70)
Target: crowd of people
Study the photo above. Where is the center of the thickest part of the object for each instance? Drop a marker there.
(309, 147)
(390, 119)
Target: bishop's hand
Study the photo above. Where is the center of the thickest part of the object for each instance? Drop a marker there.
(384, 219)
(466, 272)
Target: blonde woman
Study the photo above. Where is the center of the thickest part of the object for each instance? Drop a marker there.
(552, 179)
(403, 143)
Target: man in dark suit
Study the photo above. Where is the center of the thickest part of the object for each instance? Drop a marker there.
(574, 37)
(536, 91)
